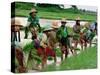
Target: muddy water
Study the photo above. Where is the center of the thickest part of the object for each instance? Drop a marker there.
(45, 23)
(48, 22)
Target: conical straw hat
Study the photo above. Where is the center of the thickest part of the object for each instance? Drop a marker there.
(55, 24)
(15, 22)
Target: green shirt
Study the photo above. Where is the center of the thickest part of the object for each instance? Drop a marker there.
(62, 32)
(33, 21)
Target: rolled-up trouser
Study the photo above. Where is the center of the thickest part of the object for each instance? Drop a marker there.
(14, 36)
(26, 32)
(66, 43)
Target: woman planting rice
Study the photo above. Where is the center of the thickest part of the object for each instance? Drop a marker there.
(50, 44)
(18, 60)
(62, 36)
(77, 34)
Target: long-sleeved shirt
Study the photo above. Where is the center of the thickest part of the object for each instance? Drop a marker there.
(33, 22)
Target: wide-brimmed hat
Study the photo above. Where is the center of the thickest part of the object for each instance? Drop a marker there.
(86, 24)
(47, 29)
(64, 20)
(55, 24)
(33, 10)
(15, 22)
(78, 18)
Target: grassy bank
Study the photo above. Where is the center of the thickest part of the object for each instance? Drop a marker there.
(85, 60)
(56, 15)
(23, 9)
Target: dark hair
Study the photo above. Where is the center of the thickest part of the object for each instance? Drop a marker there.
(30, 14)
(95, 23)
(77, 22)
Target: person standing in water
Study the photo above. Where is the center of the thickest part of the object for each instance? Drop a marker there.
(32, 23)
(77, 34)
(62, 36)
